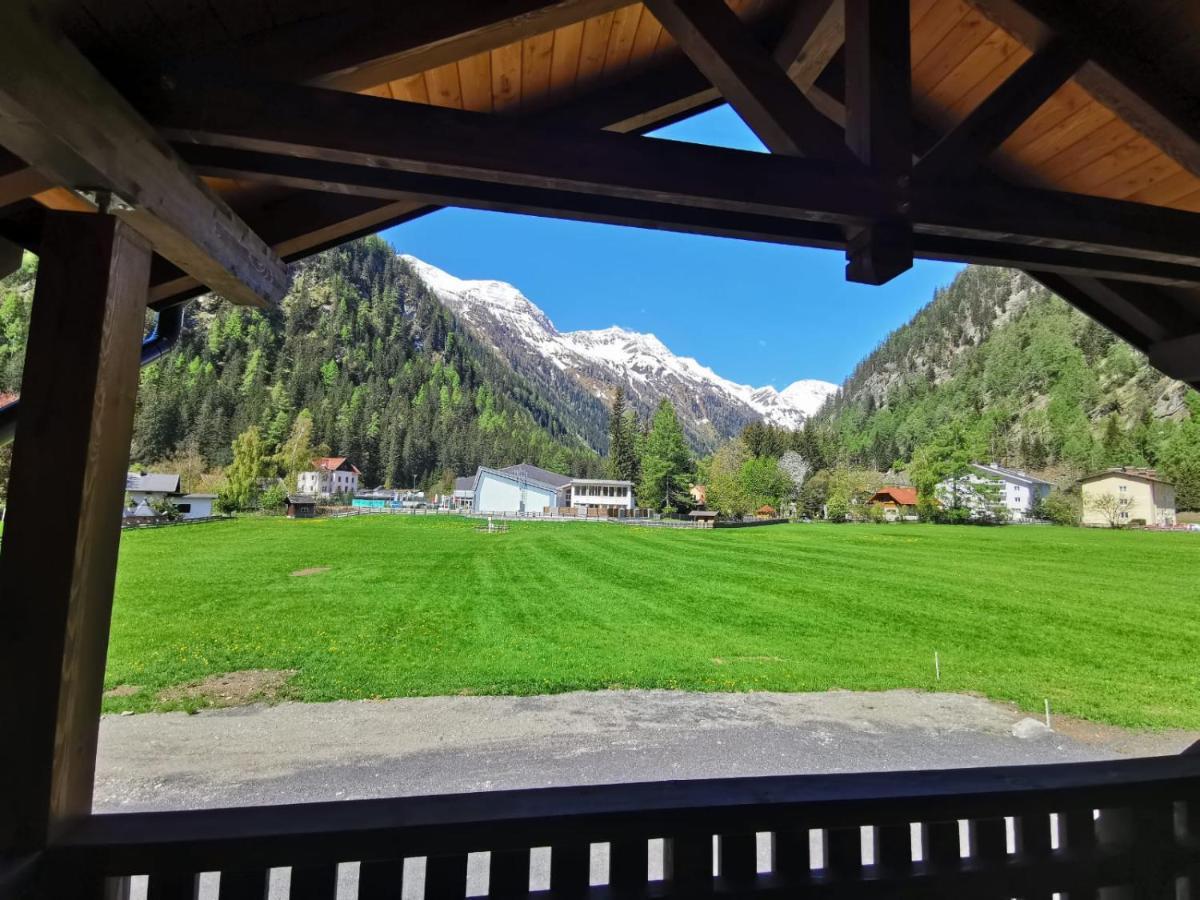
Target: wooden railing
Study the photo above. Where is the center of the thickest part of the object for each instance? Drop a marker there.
(1123, 829)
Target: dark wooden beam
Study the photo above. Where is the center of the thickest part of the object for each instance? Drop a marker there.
(1115, 73)
(810, 40)
(10, 256)
(59, 557)
(879, 128)
(1178, 357)
(59, 114)
(340, 180)
(958, 154)
(749, 78)
(333, 126)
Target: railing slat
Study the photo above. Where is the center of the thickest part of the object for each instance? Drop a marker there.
(508, 873)
(843, 853)
(314, 882)
(893, 849)
(380, 879)
(790, 863)
(244, 884)
(570, 868)
(737, 857)
(446, 877)
(688, 864)
(171, 886)
(629, 865)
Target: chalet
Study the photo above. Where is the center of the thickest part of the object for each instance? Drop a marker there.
(897, 503)
(156, 151)
(151, 487)
(1127, 496)
(330, 476)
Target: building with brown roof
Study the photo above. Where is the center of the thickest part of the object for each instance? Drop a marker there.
(329, 476)
(896, 502)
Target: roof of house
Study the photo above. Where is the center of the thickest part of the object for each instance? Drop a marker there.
(1127, 472)
(302, 499)
(199, 497)
(466, 483)
(152, 482)
(904, 496)
(605, 482)
(524, 474)
(1009, 474)
(533, 473)
(335, 464)
(703, 513)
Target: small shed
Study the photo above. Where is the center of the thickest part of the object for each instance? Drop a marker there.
(704, 518)
(196, 506)
(766, 511)
(301, 506)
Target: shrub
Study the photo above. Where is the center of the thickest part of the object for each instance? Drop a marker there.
(1058, 507)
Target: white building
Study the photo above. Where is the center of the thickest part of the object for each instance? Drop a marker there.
(601, 492)
(329, 476)
(464, 494)
(519, 489)
(195, 506)
(985, 486)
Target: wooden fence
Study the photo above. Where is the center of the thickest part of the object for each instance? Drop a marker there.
(1121, 829)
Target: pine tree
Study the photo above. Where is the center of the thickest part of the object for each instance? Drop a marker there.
(622, 462)
(666, 463)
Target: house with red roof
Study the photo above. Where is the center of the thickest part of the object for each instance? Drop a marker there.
(897, 503)
(329, 476)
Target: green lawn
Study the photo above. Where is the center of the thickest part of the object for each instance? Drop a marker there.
(1102, 623)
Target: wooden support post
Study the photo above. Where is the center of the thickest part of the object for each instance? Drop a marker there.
(59, 557)
(879, 128)
(10, 257)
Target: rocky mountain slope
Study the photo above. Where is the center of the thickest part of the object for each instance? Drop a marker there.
(587, 366)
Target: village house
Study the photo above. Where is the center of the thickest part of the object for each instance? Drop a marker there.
(599, 494)
(329, 476)
(150, 488)
(898, 503)
(526, 489)
(1127, 496)
(988, 488)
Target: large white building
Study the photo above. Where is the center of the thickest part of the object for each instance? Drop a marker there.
(987, 485)
(329, 476)
(527, 489)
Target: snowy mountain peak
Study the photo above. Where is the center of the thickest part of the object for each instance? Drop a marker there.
(712, 408)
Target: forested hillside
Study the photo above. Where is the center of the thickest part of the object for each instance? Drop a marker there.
(1022, 378)
(391, 378)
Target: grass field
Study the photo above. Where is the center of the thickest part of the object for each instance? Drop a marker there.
(1104, 624)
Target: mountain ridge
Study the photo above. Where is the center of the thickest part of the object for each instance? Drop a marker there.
(711, 407)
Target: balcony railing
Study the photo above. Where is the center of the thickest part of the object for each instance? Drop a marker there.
(1123, 829)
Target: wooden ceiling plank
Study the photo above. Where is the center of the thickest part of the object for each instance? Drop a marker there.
(1070, 131)
(1188, 203)
(1124, 159)
(537, 56)
(1153, 171)
(621, 38)
(506, 77)
(1067, 102)
(592, 49)
(938, 22)
(996, 48)
(964, 149)
(970, 31)
(751, 81)
(443, 86)
(475, 80)
(1169, 189)
(60, 114)
(1099, 143)
(564, 60)
(646, 39)
(413, 89)
(971, 98)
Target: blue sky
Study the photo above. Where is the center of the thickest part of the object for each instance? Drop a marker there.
(755, 313)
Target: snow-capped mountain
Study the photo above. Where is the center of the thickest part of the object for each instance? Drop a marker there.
(711, 408)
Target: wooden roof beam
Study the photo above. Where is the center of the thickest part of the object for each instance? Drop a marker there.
(352, 181)
(58, 113)
(332, 126)
(879, 130)
(752, 82)
(975, 138)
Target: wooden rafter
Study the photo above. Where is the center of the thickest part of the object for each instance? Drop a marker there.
(753, 82)
(58, 113)
(959, 153)
(811, 39)
(879, 129)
